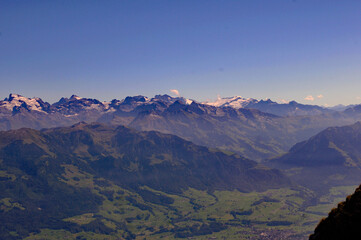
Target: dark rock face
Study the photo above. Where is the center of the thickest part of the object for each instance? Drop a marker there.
(75, 105)
(342, 222)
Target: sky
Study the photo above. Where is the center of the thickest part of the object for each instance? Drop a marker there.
(303, 50)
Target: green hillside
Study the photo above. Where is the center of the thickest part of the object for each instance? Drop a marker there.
(98, 179)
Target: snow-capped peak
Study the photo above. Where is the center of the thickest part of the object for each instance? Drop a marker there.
(235, 102)
(16, 100)
(13, 96)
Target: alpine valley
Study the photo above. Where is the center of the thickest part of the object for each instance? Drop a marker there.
(174, 168)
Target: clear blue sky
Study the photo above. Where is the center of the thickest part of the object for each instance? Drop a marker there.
(278, 49)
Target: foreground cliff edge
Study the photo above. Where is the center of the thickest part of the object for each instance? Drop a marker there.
(342, 222)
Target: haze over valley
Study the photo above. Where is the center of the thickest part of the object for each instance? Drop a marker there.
(170, 167)
(159, 119)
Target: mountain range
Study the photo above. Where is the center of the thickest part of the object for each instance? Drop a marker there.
(284, 109)
(79, 154)
(247, 131)
(16, 103)
(49, 175)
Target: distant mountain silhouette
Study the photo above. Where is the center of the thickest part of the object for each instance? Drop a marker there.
(268, 106)
(332, 157)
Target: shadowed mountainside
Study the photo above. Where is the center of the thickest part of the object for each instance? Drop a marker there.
(330, 158)
(342, 222)
(35, 167)
(251, 133)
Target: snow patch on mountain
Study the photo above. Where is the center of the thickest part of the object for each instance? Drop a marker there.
(235, 102)
(188, 101)
(108, 106)
(75, 97)
(98, 107)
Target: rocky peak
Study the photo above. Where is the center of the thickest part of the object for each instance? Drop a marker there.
(235, 102)
(75, 97)
(164, 98)
(135, 99)
(17, 103)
